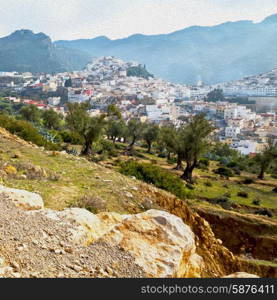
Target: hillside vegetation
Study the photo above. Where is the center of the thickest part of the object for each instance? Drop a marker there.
(65, 180)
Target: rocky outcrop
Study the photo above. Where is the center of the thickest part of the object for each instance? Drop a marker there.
(24, 199)
(85, 227)
(152, 244)
(162, 245)
(217, 260)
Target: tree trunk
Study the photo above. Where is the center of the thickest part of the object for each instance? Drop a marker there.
(129, 148)
(168, 156)
(87, 149)
(149, 147)
(261, 175)
(187, 175)
(179, 163)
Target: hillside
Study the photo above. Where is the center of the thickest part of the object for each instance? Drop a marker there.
(24, 51)
(66, 181)
(219, 53)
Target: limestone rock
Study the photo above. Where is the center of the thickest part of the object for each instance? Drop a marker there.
(87, 227)
(241, 275)
(24, 199)
(159, 242)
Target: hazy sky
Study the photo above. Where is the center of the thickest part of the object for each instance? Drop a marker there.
(72, 19)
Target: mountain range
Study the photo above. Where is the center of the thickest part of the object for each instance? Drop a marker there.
(220, 53)
(24, 51)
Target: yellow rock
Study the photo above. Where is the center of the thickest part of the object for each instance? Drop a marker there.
(10, 170)
(159, 242)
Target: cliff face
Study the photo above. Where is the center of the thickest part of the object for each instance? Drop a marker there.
(250, 234)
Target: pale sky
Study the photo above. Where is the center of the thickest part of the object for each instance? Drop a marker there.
(74, 19)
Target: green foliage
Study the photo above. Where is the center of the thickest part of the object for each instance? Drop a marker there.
(243, 194)
(208, 184)
(264, 212)
(224, 172)
(266, 158)
(26, 131)
(223, 201)
(89, 128)
(106, 149)
(190, 186)
(167, 139)
(51, 119)
(256, 202)
(203, 163)
(193, 143)
(116, 129)
(215, 95)
(71, 137)
(248, 180)
(134, 132)
(156, 176)
(150, 135)
(113, 112)
(224, 150)
(139, 72)
(30, 113)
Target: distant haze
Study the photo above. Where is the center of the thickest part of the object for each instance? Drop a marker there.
(74, 19)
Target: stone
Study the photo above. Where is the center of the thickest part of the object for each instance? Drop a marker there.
(2, 261)
(241, 275)
(161, 244)
(23, 199)
(87, 227)
(10, 170)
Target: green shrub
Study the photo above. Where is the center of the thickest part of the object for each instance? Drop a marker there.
(243, 194)
(203, 163)
(71, 137)
(208, 183)
(257, 202)
(190, 186)
(264, 212)
(228, 195)
(248, 180)
(224, 172)
(156, 176)
(27, 132)
(223, 201)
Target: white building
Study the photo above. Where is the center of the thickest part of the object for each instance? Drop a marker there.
(54, 100)
(245, 147)
(232, 132)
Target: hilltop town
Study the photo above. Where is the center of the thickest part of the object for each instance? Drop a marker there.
(138, 94)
